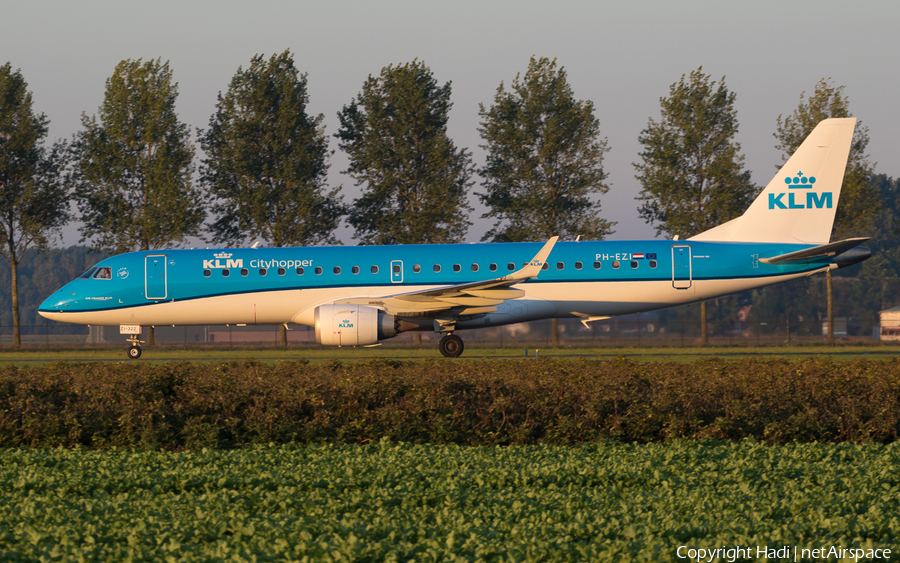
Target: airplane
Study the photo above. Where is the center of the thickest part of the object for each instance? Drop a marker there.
(362, 295)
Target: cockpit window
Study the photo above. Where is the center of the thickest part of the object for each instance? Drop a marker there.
(103, 274)
(88, 273)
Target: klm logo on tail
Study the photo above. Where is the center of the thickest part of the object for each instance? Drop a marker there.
(801, 182)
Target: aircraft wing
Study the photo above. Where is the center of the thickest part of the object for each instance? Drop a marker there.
(821, 251)
(467, 299)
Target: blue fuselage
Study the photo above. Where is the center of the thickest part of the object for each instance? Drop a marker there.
(276, 285)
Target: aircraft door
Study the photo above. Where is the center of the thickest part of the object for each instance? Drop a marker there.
(155, 286)
(397, 271)
(681, 267)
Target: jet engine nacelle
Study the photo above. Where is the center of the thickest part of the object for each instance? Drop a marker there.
(352, 325)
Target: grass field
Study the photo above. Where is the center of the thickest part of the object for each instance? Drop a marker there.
(399, 502)
(316, 354)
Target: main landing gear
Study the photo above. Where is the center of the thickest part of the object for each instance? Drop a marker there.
(451, 346)
(134, 347)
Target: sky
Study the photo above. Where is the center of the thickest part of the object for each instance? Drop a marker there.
(622, 56)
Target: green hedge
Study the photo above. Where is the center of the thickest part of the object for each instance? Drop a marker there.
(234, 404)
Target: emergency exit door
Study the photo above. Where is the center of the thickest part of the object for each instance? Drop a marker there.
(397, 271)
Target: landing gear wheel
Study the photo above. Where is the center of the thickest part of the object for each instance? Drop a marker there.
(134, 352)
(451, 346)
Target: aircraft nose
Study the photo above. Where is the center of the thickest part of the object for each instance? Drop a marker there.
(53, 305)
(45, 308)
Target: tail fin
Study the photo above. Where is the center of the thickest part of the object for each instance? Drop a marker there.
(799, 204)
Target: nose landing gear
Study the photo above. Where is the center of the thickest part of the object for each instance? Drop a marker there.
(134, 347)
(451, 346)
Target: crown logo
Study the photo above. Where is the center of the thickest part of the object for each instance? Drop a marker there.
(800, 181)
(223, 255)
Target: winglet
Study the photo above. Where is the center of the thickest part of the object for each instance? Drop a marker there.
(533, 268)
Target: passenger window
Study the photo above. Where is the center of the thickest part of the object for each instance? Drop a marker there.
(206, 273)
(299, 271)
(417, 268)
(437, 268)
(244, 272)
(318, 271)
(262, 271)
(510, 266)
(280, 271)
(493, 267)
(374, 269)
(474, 267)
(355, 269)
(396, 268)
(615, 264)
(226, 273)
(88, 273)
(103, 274)
(653, 264)
(546, 266)
(337, 270)
(634, 264)
(560, 265)
(456, 268)
(597, 265)
(578, 265)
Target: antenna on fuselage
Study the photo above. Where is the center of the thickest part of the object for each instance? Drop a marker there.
(255, 245)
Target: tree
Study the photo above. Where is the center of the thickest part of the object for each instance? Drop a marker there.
(267, 158)
(33, 198)
(885, 261)
(858, 203)
(544, 164)
(415, 179)
(544, 167)
(41, 273)
(266, 162)
(134, 165)
(691, 175)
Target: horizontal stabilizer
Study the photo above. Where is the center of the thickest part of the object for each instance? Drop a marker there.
(822, 251)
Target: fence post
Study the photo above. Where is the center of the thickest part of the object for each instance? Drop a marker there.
(639, 329)
(788, 328)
